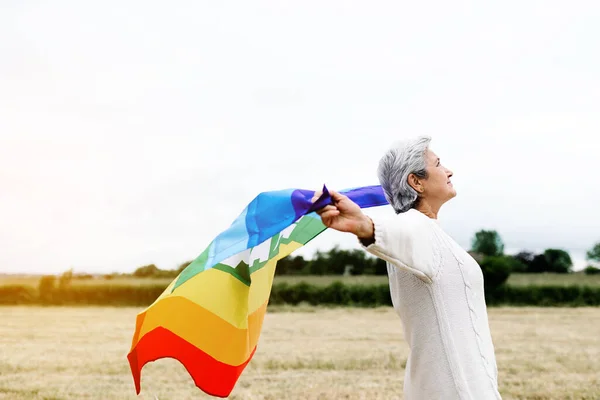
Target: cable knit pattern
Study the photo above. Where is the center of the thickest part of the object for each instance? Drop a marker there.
(437, 290)
(470, 295)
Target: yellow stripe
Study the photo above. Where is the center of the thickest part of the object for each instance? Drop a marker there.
(262, 280)
(166, 292)
(227, 297)
(213, 308)
(204, 330)
(220, 293)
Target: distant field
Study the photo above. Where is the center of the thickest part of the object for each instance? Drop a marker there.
(554, 279)
(34, 281)
(579, 279)
(308, 353)
(515, 279)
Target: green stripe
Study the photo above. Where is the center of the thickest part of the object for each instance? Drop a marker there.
(193, 269)
(242, 267)
(306, 229)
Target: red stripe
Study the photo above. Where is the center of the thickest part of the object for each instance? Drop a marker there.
(211, 376)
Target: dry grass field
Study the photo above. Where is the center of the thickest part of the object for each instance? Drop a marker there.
(304, 353)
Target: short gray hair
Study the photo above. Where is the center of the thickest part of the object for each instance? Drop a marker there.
(402, 159)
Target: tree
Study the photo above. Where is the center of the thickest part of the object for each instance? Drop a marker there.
(559, 261)
(291, 265)
(488, 243)
(379, 267)
(357, 259)
(147, 271)
(590, 270)
(551, 260)
(318, 265)
(538, 264)
(526, 258)
(594, 253)
(298, 265)
(337, 261)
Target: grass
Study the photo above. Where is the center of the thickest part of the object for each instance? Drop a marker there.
(35, 280)
(304, 353)
(579, 279)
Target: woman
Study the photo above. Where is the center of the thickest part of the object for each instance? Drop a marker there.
(436, 286)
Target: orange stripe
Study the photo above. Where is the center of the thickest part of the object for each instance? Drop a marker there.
(203, 329)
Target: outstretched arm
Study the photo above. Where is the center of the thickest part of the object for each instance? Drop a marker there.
(409, 244)
(346, 216)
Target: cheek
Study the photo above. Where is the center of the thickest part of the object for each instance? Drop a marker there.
(442, 178)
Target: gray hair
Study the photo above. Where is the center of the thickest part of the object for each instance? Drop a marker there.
(404, 158)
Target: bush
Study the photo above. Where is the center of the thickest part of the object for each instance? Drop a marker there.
(47, 288)
(114, 295)
(64, 281)
(496, 270)
(517, 265)
(544, 296)
(590, 270)
(336, 293)
(286, 294)
(17, 294)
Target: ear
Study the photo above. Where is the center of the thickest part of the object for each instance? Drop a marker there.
(415, 183)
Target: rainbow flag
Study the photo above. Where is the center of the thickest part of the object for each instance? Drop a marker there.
(210, 317)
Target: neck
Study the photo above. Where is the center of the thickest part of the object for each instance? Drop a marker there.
(428, 209)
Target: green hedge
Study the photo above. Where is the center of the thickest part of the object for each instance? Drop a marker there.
(544, 296)
(101, 295)
(335, 294)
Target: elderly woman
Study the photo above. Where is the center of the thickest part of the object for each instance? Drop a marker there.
(436, 286)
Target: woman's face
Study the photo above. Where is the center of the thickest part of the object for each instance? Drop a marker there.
(437, 187)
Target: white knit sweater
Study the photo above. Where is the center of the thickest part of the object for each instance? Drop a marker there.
(437, 290)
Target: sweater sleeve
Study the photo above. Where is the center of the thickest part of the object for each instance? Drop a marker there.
(408, 244)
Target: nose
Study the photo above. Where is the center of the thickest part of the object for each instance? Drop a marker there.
(449, 173)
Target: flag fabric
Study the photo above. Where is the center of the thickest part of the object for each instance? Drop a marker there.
(210, 316)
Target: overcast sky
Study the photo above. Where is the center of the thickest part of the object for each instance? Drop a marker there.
(134, 132)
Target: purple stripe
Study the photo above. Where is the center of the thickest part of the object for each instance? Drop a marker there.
(368, 196)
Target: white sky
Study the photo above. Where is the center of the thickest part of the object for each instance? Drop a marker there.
(134, 132)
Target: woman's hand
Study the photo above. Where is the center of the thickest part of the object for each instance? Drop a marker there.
(345, 216)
